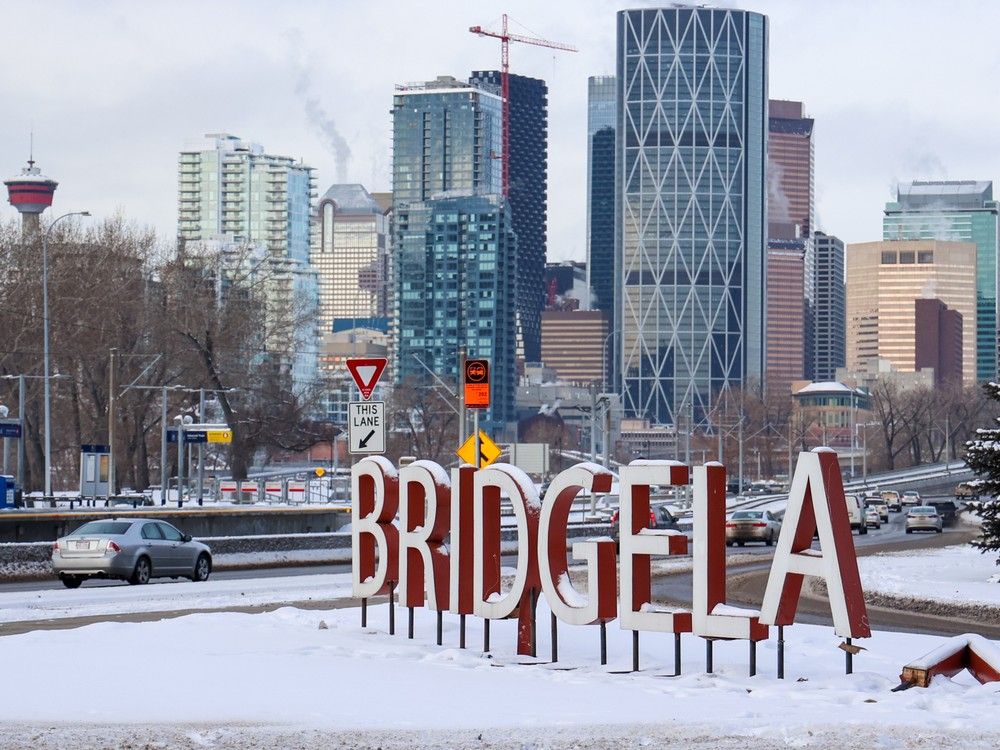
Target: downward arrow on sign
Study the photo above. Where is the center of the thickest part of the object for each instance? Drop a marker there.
(364, 442)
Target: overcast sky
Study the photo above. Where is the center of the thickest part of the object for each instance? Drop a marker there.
(899, 89)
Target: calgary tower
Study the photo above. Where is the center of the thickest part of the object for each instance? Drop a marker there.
(30, 193)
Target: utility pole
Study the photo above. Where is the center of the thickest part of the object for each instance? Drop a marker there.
(460, 391)
(163, 449)
(201, 448)
(112, 401)
(20, 442)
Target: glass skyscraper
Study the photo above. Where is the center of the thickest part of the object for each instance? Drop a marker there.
(527, 197)
(829, 308)
(690, 258)
(601, 92)
(454, 249)
(964, 211)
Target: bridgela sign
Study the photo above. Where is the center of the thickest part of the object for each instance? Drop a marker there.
(445, 551)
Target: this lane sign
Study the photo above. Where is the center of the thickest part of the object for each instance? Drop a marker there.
(366, 372)
(366, 426)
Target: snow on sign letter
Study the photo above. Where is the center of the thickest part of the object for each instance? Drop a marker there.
(366, 426)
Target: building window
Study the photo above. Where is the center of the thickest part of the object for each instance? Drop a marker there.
(925, 256)
(888, 257)
(906, 257)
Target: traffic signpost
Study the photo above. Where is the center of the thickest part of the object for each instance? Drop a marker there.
(366, 372)
(488, 450)
(366, 419)
(477, 384)
(366, 427)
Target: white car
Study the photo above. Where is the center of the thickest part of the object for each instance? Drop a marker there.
(872, 517)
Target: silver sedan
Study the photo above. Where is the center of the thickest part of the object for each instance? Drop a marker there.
(752, 526)
(133, 550)
(923, 518)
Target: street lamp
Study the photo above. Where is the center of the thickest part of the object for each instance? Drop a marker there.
(45, 324)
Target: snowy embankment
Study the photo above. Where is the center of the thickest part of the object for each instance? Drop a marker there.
(311, 679)
(956, 580)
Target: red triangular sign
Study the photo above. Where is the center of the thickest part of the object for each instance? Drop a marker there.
(366, 372)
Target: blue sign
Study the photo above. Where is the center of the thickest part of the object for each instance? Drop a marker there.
(191, 437)
(10, 429)
(95, 449)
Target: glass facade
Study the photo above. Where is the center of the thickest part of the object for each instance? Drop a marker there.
(601, 108)
(829, 308)
(454, 247)
(456, 288)
(961, 211)
(690, 259)
(528, 197)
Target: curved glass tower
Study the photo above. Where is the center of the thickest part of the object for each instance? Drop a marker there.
(690, 209)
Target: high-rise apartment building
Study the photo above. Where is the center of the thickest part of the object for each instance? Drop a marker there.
(233, 195)
(691, 207)
(829, 311)
(962, 211)
(790, 180)
(528, 196)
(454, 246)
(350, 253)
(883, 281)
(601, 108)
(789, 312)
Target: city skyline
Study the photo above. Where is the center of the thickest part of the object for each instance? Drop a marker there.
(87, 111)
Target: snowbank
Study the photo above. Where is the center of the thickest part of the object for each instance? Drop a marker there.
(281, 680)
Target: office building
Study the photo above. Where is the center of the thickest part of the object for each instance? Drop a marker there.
(691, 207)
(236, 201)
(454, 249)
(350, 253)
(883, 281)
(456, 278)
(573, 344)
(790, 181)
(829, 308)
(528, 196)
(601, 108)
(938, 340)
(961, 211)
(789, 312)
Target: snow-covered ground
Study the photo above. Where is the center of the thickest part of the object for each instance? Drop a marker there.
(310, 679)
(952, 575)
(167, 596)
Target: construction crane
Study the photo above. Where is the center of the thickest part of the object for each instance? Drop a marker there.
(505, 39)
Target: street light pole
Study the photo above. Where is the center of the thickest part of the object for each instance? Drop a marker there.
(45, 326)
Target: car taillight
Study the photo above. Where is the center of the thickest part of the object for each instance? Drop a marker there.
(55, 546)
(113, 548)
(730, 525)
(760, 525)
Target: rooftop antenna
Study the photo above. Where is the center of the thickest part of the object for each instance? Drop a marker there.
(31, 146)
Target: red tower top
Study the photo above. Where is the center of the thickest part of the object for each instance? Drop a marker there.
(30, 192)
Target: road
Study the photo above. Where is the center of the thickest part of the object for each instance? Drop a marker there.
(746, 583)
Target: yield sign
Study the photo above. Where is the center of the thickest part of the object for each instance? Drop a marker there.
(366, 373)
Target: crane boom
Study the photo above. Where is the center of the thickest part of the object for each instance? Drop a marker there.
(505, 39)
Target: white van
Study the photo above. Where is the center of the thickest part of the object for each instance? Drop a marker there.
(856, 512)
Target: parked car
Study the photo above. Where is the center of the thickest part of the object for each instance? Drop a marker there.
(752, 526)
(891, 498)
(877, 503)
(134, 550)
(923, 518)
(910, 497)
(946, 508)
(872, 517)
